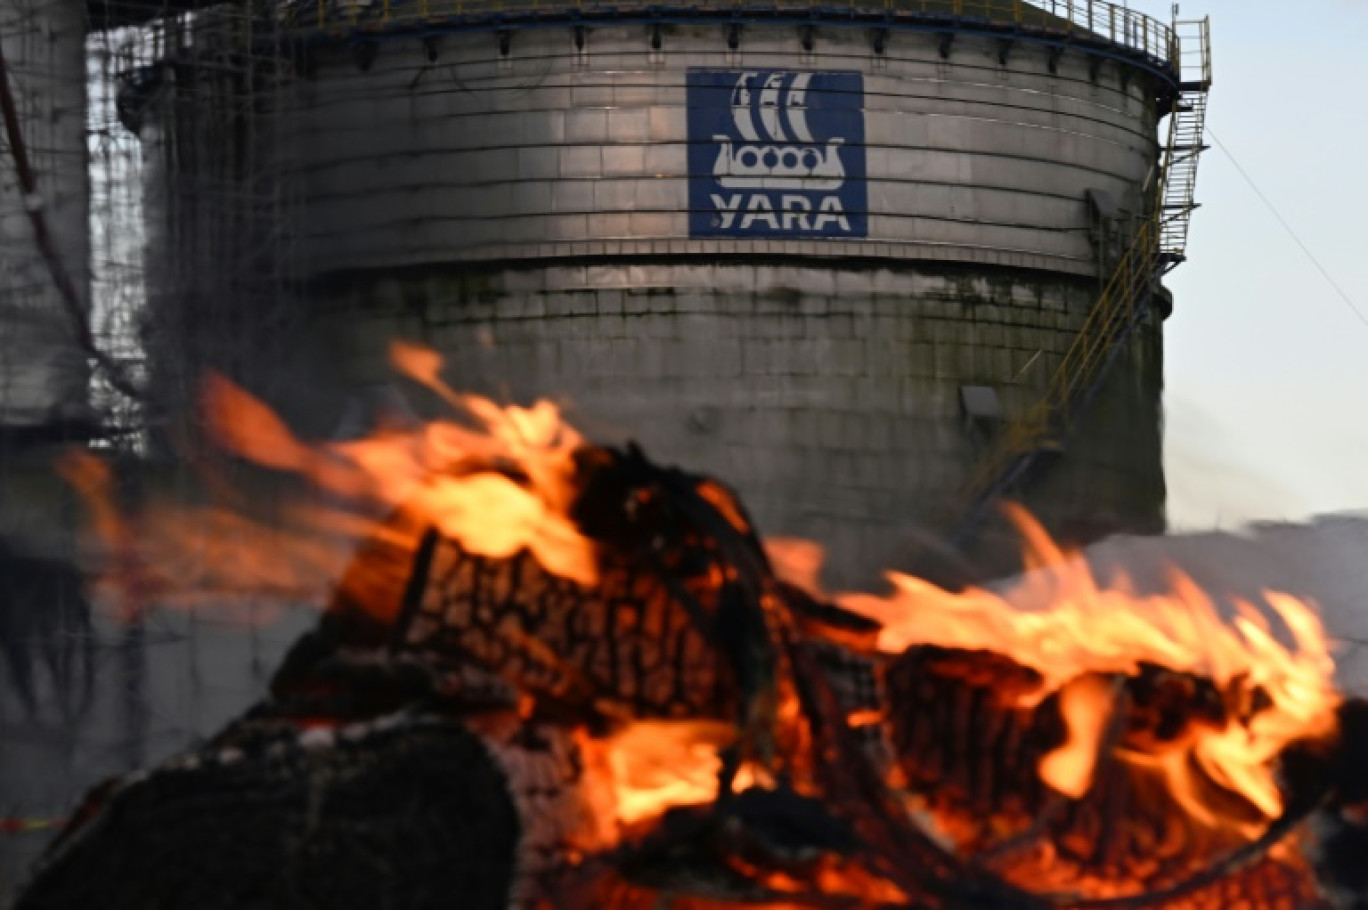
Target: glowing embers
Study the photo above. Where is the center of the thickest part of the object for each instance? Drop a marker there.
(655, 766)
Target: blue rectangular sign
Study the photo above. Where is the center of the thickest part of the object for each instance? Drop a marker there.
(776, 153)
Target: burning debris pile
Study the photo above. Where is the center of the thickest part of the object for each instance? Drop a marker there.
(558, 674)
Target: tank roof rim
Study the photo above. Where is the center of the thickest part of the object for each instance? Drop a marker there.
(515, 20)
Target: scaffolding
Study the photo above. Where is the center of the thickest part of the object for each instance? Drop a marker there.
(150, 138)
(43, 203)
(118, 291)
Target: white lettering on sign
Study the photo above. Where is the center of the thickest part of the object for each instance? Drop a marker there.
(831, 210)
(796, 210)
(795, 213)
(759, 209)
(728, 207)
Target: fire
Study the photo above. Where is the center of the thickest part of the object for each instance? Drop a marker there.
(657, 765)
(1059, 621)
(496, 479)
(1087, 704)
(93, 479)
(500, 482)
(503, 480)
(798, 562)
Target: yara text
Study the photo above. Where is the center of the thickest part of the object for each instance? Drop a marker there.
(757, 211)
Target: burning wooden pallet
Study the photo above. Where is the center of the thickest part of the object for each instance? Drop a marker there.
(627, 706)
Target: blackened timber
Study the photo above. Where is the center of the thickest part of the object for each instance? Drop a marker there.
(402, 819)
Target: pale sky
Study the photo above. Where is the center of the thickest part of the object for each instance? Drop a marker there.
(1266, 367)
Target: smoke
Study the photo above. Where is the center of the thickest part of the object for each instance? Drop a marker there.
(1211, 480)
(1321, 561)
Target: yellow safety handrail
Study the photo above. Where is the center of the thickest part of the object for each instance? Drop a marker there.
(1160, 244)
(1110, 319)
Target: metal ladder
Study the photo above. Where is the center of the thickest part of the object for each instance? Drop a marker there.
(1187, 128)
(1158, 246)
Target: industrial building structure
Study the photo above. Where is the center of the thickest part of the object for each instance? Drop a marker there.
(877, 263)
(826, 252)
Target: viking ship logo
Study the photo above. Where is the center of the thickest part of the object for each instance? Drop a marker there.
(777, 150)
(777, 153)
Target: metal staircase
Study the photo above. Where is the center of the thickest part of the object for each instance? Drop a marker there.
(1158, 246)
(1187, 127)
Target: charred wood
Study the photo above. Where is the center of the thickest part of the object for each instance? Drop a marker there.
(434, 740)
(272, 817)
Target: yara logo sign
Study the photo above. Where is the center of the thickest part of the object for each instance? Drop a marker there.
(776, 154)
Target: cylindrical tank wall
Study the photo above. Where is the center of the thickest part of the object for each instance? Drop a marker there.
(534, 216)
(43, 374)
(829, 396)
(551, 152)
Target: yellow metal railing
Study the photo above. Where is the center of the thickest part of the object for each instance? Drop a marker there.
(1039, 427)
(1160, 244)
(1098, 19)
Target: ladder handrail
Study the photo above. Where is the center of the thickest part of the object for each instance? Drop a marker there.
(1187, 127)
(1159, 244)
(1108, 321)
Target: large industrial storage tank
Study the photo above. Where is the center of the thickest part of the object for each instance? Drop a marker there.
(818, 250)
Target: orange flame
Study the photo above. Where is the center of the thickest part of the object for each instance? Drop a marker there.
(497, 479)
(798, 562)
(502, 479)
(1057, 620)
(93, 479)
(502, 484)
(1087, 704)
(656, 765)
(208, 556)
